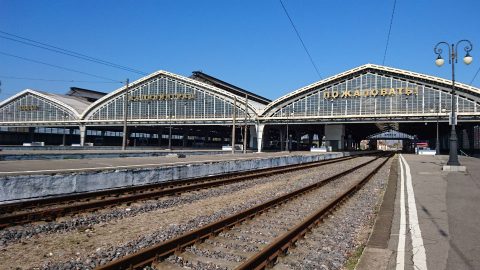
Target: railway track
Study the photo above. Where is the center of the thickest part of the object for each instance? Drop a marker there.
(48, 209)
(253, 238)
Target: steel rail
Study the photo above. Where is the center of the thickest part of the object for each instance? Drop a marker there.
(162, 250)
(164, 189)
(268, 255)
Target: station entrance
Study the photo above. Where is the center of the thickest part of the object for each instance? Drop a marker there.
(392, 140)
(360, 136)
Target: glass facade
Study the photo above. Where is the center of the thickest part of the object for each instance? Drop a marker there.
(373, 94)
(163, 98)
(32, 108)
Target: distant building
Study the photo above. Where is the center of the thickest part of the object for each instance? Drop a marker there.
(86, 94)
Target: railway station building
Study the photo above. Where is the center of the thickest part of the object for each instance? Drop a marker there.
(199, 112)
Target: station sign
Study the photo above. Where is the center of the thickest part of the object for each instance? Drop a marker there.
(29, 108)
(185, 96)
(370, 93)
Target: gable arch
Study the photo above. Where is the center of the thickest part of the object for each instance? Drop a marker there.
(33, 107)
(373, 91)
(162, 96)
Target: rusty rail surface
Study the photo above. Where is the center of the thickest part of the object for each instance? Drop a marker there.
(162, 250)
(65, 205)
(280, 245)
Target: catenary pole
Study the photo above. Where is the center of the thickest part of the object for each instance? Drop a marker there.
(245, 126)
(233, 126)
(125, 115)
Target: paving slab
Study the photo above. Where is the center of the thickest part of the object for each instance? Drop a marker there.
(442, 218)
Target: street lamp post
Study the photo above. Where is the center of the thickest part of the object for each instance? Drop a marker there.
(452, 59)
(437, 142)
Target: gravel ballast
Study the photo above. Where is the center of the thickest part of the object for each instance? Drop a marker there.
(263, 229)
(329, 245)
(43, 237)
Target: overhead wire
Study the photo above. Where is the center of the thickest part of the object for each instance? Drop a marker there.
(301, 40)
(50, 80)
(59, 67)
(475, 76)
(56, 49)
(389, 32)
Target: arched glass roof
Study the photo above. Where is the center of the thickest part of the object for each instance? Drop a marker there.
(31, 106)
(163, 96)
(373, 91)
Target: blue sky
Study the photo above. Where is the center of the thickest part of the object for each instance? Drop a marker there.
(248, 43)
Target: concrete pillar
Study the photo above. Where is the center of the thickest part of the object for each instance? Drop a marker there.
(31, 132)
(253, 137)
(298, 138)
(185, 139)
(83, 130)
(70, 132)
(102, 136)
(319, 139)
(160, 136)
(465, 140)
(310, 140)
(321, 136)
(281, 137)
(260, 137)
(350, 143)
(334, 136)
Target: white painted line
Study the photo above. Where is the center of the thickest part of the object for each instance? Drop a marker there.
(418, 249)
(137, 166)
(403, 223)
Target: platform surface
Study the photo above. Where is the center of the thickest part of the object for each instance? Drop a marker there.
(96, 150)
(438, 226)
(23, 167)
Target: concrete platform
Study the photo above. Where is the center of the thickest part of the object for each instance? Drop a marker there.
(101, 152)
(28, 179)
(436, 220)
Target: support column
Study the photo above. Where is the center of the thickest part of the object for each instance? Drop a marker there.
(260, 137)
(185, 139)
(321, 136)
(281, 138)
(160, 136)
(31, 132)
(83, 130)
(334, 136)
(253, 136)
(310, 140)
(298, 138)
(102, 135)
(71, 131)
(350, 142)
